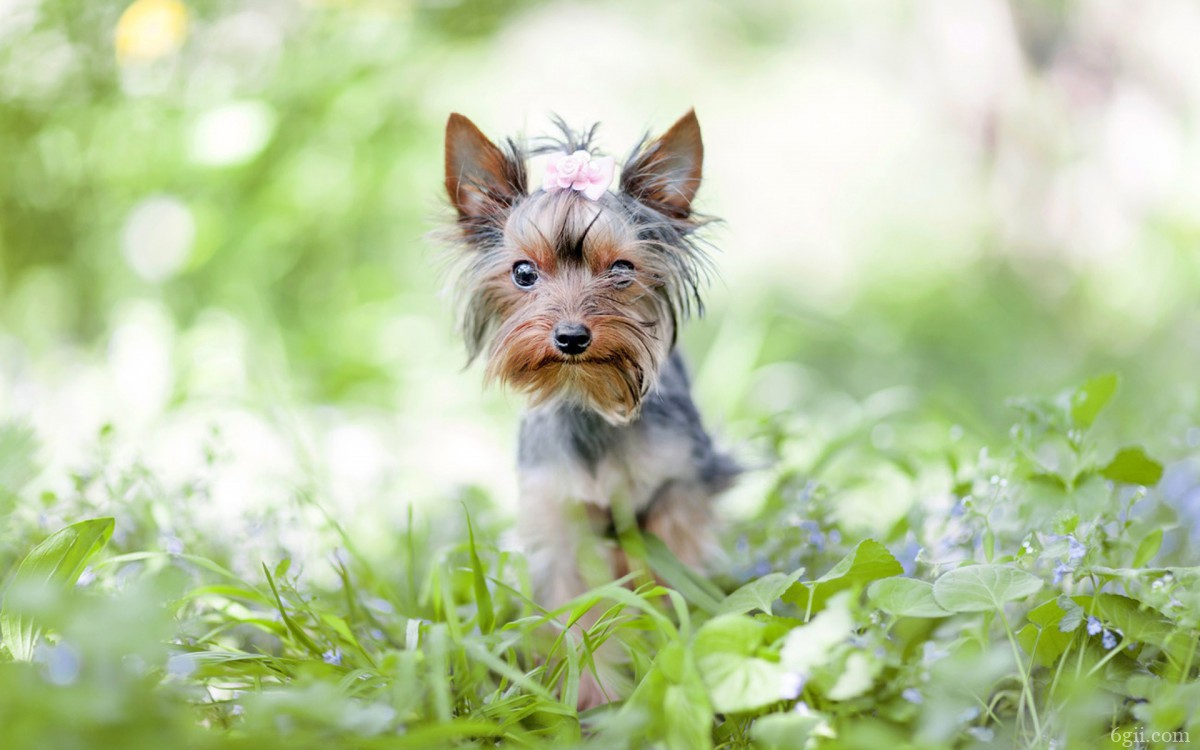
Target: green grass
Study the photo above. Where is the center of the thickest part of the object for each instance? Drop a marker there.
(1033, 593)
(310, 536)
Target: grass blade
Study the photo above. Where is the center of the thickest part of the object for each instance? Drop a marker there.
(58, 561)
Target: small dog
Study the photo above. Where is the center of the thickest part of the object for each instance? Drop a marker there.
(576, 293)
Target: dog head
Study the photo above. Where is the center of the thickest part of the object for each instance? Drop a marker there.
(575, 291)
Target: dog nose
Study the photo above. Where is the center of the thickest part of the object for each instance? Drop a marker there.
(572, 338)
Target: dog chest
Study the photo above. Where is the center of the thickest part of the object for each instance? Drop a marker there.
(579, 457)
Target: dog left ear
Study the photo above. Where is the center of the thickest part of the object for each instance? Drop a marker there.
(481, 179)
(666, 173)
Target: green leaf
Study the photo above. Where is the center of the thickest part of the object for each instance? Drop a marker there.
(736, 679)
(759, 594)
(906, 597)
(1090, 399)
(815, 643)
(674, 697)
(1148, 548)
(869, 561)
(686, 709)
(857, 676)
(1135, 621)
(980, 588)
(1044, 637)
(58, 561)
(788, 731)
(483, 597)
(1073, 616)
(289, 622)
(1141, 623)
(1132, 466)
(1044, 644)
(688, 724)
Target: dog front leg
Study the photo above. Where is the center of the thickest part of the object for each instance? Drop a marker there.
(564, 554)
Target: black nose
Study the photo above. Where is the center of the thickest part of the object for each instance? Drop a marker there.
(572, 338)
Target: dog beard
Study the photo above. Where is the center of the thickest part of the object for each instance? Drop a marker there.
(611, 378)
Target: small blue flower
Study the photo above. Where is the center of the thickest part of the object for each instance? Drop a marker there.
(983, 734)
(1075, 550)
(971, 713)
(1109, 640)
(912, 695)
(1061, 570)
(173, 545)
(333, 656)
(383, 606)
(61, 663)
(909, 554)
(791, 684)
(931, 653)
(1094, 626)
(182, 665)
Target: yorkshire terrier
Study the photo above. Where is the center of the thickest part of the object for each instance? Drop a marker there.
(576, 293)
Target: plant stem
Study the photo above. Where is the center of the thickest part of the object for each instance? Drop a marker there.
(1026, 690)
(1108, 657)
(1187, 666)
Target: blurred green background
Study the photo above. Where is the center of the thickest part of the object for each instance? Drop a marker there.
(223, 324)
(213, 221)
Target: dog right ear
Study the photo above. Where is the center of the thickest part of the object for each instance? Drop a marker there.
(481, 179)
(665, 173)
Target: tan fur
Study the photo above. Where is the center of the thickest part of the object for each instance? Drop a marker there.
(653, 455)
(631, 327)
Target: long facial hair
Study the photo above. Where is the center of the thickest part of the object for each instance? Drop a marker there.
(573, 242)
(632, 331)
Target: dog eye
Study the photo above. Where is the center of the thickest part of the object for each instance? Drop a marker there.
(524, 274)
(623, 273)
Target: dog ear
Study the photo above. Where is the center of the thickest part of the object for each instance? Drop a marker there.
(481, 179)
(665, 173)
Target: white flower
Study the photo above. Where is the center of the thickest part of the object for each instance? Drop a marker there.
(791, 684)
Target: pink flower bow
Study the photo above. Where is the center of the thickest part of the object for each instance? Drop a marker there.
(579, 171)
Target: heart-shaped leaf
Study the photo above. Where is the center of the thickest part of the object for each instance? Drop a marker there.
(814, 644)
(1132, 466)
(906, 597)
(869, 561)
(759, 594)
(979, 588)
(1148, 548)
(736, 679)
(1090, 399)
(788, 731)
(1044, 637)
